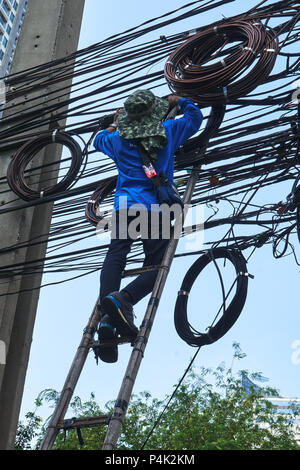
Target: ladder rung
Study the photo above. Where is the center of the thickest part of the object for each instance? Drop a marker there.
(137, 271)
(112, 342)
(83, 422)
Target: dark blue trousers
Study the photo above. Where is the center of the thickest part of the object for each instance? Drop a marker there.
(116, 257)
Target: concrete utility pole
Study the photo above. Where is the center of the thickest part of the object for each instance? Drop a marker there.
(50, 31)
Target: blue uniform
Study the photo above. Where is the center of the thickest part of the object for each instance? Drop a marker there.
(132, 182)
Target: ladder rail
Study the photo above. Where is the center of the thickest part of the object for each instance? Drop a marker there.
(70, 382)
(117, 418)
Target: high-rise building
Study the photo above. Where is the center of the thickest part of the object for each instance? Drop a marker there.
(288, 407)
(11, 19)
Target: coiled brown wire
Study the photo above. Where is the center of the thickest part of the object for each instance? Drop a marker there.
(239, 70)
(16, 172)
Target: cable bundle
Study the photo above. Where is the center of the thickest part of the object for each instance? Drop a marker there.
(92, 208)
(23, 157)
(230, 314)
(194, 148)
(294, 203)
(225, 80)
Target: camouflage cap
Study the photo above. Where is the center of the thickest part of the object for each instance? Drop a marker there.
(141, 119)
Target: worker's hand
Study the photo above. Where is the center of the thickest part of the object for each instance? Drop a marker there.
(173, 100)
(116, 115)
(114, 125)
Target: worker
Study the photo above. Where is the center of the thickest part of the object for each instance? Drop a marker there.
(141, 120)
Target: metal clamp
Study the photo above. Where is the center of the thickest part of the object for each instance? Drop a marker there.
(54, 135)
(249, 49)
(183, 292)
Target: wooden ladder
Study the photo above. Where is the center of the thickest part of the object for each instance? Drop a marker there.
(115, 421)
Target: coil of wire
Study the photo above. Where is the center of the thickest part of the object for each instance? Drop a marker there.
(207, 71)
(17, 169)
(93, 207)
(232, 311)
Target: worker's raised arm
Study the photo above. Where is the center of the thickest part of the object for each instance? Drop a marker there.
(186, 126)
(103, 142)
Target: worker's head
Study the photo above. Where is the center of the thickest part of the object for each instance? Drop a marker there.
(141, 117)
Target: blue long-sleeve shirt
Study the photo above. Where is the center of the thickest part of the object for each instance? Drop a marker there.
(132, 184)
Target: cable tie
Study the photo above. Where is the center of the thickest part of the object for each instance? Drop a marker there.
(41, 194)
(54, 135)
(140, 339)
(89, 330)
(208, 334)
(223, 63)
(216, 29)
(249, 49)
(246, 275)
(270, 50)
(183, 292)
(92, 201)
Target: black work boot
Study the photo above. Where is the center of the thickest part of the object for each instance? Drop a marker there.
(107, 332)
(120, 311)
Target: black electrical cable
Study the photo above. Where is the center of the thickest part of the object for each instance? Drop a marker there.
(232, 159)
(231, 313)
(24, 156)
(92, 209)
(170, 399)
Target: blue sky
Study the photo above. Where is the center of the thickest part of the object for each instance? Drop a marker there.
(266, 330)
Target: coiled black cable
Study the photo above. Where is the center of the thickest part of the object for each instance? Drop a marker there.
(194, 148)
(92, 208)
(21, 160)
(230, 314)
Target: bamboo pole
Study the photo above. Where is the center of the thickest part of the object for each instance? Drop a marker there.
(71, 381)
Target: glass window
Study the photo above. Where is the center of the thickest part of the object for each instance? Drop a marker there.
(8, 29)
(6, 8)
(5, 41)
(1, 54)
(12, 17)
(16, 4)
(2, 20)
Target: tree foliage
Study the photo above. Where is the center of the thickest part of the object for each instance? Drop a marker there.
(210, 411)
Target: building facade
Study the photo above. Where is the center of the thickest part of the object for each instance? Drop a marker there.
(288, 407)
(11, 19)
